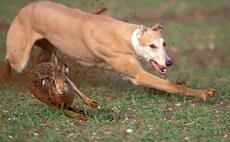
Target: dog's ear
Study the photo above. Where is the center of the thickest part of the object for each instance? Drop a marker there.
(158, 27)
(142, 30)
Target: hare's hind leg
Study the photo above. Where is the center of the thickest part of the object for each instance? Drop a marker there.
(76, 116)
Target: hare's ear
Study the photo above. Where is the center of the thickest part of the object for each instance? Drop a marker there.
(65, 69)
(54, 60)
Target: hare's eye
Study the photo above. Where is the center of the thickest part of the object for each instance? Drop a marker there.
(44, 82)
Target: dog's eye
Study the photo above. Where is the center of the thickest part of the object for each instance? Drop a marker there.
(164, 44)
(152, 46)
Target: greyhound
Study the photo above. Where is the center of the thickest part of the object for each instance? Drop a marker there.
(94, 40)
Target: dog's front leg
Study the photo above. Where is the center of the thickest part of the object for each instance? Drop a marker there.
(131, 67)
(146, 79)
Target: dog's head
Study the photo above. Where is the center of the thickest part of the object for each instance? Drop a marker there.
(150, 45)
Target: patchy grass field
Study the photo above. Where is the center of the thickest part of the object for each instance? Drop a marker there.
(197, 35)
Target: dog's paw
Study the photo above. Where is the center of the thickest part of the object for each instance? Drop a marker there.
(207, 93)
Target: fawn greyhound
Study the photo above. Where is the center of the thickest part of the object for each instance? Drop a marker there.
(93, 40)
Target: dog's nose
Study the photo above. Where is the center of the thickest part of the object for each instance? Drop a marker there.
(169, 63)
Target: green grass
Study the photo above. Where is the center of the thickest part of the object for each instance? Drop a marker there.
(153, 115)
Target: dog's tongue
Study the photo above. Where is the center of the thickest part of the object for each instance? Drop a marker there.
(155, 65)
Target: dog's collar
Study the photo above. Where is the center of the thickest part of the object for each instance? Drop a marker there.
(135, 42)
(137, 47)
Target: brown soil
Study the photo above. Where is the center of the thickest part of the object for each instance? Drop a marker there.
(3, 25)
(196, 15)
(78, 73)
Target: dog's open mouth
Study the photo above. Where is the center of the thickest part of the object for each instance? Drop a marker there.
(160, 69)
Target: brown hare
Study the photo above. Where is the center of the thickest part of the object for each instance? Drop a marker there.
(49, 83)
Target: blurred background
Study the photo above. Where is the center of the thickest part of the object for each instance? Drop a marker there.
(197, 33)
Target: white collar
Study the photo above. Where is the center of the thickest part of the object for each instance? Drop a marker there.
(141, 52)
(135, 42)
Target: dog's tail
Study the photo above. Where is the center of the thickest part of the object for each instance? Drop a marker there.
(6, 71)
(99, 11)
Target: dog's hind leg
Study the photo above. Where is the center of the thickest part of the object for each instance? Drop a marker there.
(20, 39)
(47, 49)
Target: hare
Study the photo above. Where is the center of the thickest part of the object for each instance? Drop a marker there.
(49, 83)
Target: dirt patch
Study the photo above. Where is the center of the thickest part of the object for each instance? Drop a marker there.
(4, 25)
(198, 58)
(200, 15)
(196, 15)
(92, 76)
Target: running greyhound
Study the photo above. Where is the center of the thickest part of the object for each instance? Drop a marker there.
(93, 40)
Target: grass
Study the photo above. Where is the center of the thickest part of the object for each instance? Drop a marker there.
(151, 114)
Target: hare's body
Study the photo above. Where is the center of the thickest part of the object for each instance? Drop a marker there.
(49, 83)
(43, 91)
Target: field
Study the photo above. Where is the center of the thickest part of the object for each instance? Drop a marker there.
(197, 35)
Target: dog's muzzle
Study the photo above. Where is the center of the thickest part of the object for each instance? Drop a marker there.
(160, 69)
